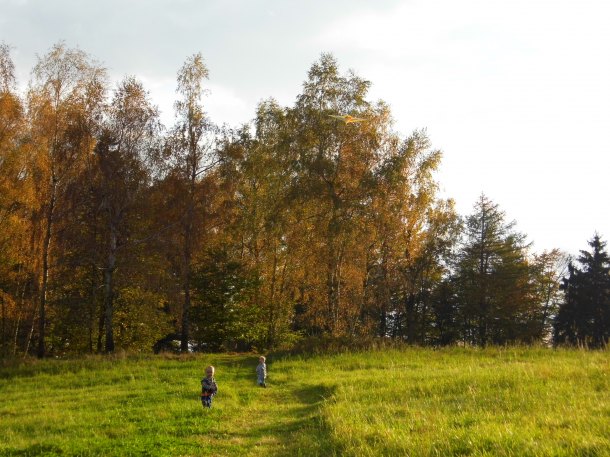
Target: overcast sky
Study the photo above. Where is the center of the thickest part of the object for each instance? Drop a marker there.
(515, 93)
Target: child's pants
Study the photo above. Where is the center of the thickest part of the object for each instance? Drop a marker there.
(206, 401)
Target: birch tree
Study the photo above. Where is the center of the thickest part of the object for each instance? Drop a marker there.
(65, 95)
(192, 144)
(123, 155)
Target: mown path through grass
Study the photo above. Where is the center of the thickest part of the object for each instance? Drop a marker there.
(281, 420)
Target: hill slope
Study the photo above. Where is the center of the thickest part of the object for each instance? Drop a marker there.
(420, 402)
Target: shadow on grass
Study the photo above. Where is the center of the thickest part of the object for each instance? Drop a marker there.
(292, 424)
(302, 430)
(17, 368)
(313, 395)
(37, 449)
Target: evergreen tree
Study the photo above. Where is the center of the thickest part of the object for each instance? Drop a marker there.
(584, 316)
(223, 317)
(493, 278)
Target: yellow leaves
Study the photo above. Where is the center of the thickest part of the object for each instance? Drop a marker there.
(8, 304)
(348, 119)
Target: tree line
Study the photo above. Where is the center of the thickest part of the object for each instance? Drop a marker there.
(119, 232)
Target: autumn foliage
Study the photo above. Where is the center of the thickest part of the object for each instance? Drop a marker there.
(118, 232)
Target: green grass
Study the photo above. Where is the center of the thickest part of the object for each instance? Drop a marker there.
(417, 402)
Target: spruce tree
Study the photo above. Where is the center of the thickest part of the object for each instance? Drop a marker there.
(584, 316)
(493, 278)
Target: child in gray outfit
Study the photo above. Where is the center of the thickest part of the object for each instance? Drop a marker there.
(261, 371)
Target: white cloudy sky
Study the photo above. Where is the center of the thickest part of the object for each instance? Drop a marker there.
(515, 93)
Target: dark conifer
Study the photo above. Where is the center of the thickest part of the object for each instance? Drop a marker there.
(584, 317)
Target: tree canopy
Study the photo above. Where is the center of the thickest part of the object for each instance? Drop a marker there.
(317, 219)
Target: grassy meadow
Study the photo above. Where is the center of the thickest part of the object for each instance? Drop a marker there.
(415, 402)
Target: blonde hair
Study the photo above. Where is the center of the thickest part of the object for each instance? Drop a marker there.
(263, 358)
(210, 368)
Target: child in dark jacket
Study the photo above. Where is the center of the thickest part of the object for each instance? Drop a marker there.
(208, 387)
